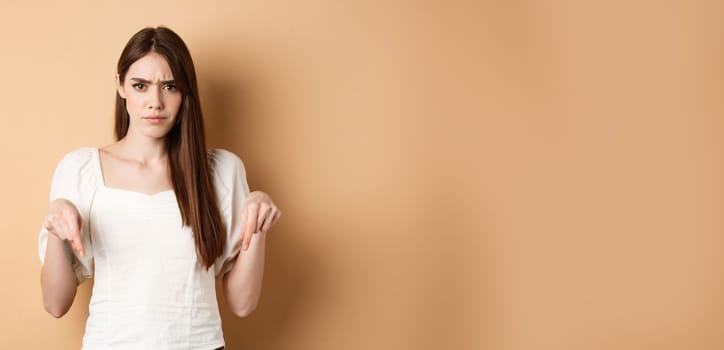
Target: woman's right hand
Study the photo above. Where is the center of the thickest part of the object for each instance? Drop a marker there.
(64, 222)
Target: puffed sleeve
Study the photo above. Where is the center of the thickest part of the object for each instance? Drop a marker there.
(231, 189)
(74, 180)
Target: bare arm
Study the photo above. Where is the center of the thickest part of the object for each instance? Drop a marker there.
(57, 278)
(242, 284)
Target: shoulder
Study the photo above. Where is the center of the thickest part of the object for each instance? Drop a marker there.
(226, 168)
(223, 161)
(80, 154)
(80, 158)
(76, 176)
(222, 155)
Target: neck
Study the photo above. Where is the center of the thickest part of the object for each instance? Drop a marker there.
(143, 149)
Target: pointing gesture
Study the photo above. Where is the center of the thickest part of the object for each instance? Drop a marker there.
(64, 222)
(258, 214)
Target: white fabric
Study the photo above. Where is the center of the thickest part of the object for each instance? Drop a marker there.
(149, 290)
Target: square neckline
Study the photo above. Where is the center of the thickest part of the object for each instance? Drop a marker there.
(102, 180)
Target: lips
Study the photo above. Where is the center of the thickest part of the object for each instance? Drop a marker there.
(155, 119)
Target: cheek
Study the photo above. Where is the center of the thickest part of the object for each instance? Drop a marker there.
(132, 105)
(174, 102)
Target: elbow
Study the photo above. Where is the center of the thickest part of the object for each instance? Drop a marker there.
(55, 305)
(55, 310)
(245, 311)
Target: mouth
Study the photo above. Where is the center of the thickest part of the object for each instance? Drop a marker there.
(155, 119)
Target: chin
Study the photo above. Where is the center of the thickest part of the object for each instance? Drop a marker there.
(156, 134)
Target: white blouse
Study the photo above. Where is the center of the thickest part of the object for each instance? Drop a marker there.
(150, 291)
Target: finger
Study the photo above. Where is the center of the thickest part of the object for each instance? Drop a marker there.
(264, 215)
(62, 228)
(252, 214)
(77, 242)
(49, 224)
(243, 223)
(277, 215)
(268, 222)
(52, 224)
(64, 231)
(46, 224)
(67, 224)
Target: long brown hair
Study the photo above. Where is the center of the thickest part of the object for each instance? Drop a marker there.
(185, 141)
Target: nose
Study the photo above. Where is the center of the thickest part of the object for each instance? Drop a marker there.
(155, 99)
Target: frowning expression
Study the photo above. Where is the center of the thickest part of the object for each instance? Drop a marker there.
(152, 98)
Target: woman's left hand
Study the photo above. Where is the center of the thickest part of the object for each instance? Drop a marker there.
(258, 214)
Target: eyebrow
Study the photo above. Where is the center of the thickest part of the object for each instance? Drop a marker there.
(145, 81)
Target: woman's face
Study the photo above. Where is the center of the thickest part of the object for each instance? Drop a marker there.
(152, 99)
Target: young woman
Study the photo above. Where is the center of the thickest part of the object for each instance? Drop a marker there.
(154, 218)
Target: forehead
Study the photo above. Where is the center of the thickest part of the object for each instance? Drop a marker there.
(152, 67)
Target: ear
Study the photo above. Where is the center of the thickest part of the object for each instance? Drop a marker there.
(119, 87)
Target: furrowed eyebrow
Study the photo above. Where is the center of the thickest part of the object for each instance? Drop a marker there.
(141, 80)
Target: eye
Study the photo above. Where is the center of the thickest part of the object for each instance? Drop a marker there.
(170, 87)
(139, 86)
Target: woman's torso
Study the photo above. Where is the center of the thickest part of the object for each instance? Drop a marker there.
(148, 285)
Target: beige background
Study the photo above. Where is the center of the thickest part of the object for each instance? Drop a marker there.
(453, 175)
